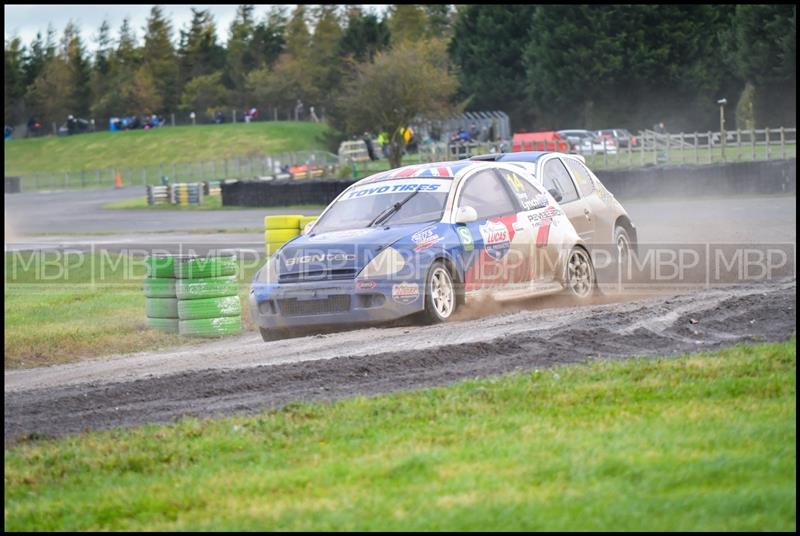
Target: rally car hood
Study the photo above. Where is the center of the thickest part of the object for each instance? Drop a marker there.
(340, 254)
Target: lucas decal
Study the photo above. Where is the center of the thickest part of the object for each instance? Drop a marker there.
(496, 239)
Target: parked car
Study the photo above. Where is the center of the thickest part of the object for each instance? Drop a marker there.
(423, 240)
(586, 142)
(621, 136)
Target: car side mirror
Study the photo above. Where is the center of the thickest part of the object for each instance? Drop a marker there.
(466, 214)
(556, 194)
(308, 227)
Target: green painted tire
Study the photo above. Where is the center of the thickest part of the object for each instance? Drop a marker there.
(209, 308)
(283, 221)
(211, 327)
(280, 235)
(169, 325)
(210, 287)
(161, 307)
(162, 266)
(203, 267)
(159, 287)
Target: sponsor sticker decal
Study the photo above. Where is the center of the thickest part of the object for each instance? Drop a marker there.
(319, 258)
(546, 217)
(405, 293)
(495, 239)
(425, 238)
(366, 285)
(400, 186)
(466, 238)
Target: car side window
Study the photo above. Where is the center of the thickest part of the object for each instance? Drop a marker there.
(485, 193)
(581, 175)
(527, 194)
(556, 176)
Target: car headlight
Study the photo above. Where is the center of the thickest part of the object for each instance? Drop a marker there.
(388, 262)
(269, 272)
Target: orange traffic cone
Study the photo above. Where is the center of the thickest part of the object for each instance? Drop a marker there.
(117, 180)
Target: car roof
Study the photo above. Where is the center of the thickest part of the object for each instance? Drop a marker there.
(520, 156)
(440, 170)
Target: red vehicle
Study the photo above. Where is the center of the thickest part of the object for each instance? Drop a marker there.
(539, 141)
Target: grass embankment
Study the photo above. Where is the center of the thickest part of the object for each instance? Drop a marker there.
(63, 307)
(167, 145)
(700, 443)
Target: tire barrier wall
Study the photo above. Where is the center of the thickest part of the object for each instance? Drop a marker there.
(207, 296)
(281, 193)
(182, 193)
(767, 177)
(279, 229)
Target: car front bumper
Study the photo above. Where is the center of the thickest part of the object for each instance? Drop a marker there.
(321, 303)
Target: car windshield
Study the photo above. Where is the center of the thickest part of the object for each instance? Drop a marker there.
(360, 205)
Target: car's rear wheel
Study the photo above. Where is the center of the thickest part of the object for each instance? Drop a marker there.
(623, 245)
(580, 279)
(441, 298)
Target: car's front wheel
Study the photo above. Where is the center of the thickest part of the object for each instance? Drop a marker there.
(441, 299)
(580, 280)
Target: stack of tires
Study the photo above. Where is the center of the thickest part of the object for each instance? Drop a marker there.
(280, 229)
(207, 292)
(161, 302)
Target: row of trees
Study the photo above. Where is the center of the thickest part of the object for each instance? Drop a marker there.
(548, 66)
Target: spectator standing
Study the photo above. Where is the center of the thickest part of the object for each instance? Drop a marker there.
(368, 142)
(383, 141)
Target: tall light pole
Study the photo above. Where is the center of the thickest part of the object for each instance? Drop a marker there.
(722, 102)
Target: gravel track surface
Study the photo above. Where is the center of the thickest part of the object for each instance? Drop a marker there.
(246, 375)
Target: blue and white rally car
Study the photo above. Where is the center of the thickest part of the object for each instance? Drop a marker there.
(425, 239)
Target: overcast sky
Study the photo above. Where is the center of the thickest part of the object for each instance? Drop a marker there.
(25, 20)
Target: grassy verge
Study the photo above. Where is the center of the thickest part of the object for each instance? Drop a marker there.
(61, 307)
(209, 203)
(698, 443)
(137, 148)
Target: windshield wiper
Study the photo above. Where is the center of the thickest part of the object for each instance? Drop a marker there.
(388, 212)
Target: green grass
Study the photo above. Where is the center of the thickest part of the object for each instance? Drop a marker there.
(209, 203)
(704, 442)
(61, 308)
(138, 148)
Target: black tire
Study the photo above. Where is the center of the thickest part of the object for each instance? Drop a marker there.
(439, 307)
(622, 241)
(210, 327)
(210, 287)
(198, 268)
(170, 325)
(580, 279)
(209, 308)
(161, 307)
(274, 334)
(159, 287)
